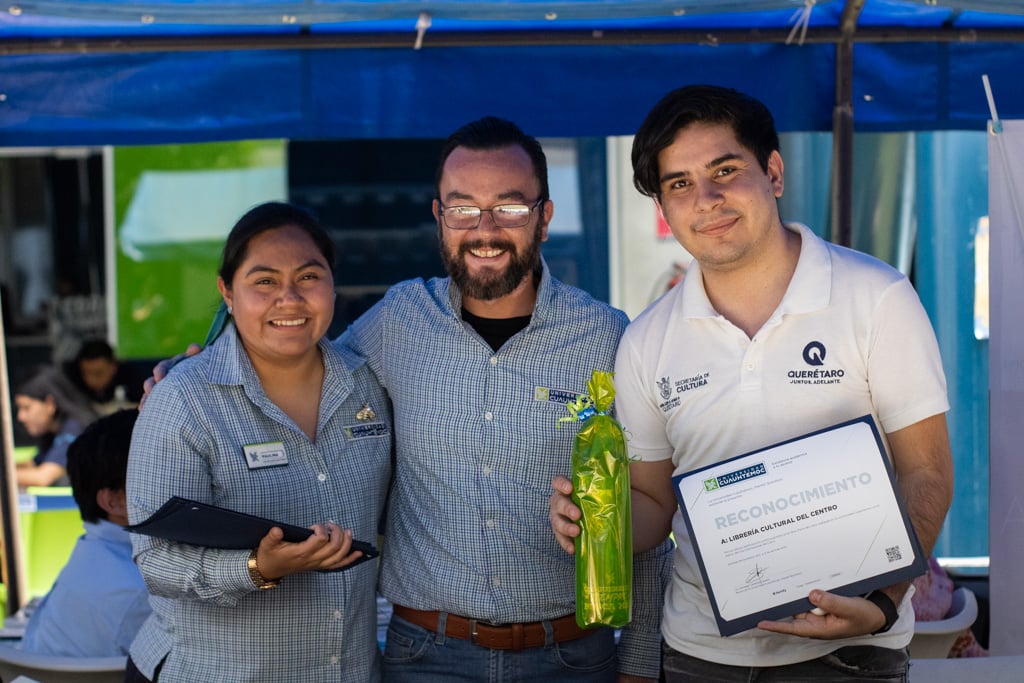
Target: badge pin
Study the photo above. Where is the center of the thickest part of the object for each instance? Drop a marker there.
(366, 413)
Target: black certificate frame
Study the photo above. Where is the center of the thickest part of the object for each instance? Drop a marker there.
(788, 608)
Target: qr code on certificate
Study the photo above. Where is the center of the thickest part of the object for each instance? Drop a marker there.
(893, 553)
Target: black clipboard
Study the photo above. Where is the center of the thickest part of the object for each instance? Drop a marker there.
(189, 521)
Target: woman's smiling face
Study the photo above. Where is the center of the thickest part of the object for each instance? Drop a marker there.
(281, 295)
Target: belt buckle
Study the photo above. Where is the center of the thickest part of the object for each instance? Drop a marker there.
(472, 631)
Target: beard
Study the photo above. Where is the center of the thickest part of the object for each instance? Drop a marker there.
(491, 284)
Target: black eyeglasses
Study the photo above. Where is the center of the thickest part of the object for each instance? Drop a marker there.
(503, 215)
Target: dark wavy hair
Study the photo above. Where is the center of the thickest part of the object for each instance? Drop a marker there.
(491, 132)
(749, 119)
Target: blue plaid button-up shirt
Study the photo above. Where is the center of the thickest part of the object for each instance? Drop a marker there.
(189, 441)
(478, 441)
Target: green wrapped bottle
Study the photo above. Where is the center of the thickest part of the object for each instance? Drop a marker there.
(600, 478)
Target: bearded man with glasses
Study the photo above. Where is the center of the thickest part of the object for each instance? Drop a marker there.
(479, 366)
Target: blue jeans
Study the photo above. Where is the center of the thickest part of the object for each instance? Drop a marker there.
(860, 664)
(414, 654)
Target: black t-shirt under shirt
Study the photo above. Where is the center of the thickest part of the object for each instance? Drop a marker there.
(495, 331)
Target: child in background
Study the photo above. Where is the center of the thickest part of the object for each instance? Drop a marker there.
(99, 600)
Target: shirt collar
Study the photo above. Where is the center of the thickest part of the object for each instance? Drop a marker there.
(230, 365)
(809, 289)
(106, 530)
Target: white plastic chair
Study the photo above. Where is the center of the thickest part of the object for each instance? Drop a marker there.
(50, 669)
(933, 639)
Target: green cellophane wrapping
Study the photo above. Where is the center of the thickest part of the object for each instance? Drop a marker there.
(600, 478)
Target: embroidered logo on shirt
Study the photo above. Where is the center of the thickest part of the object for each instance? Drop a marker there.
(259, 455)
(366, 431)
(814, 354)
(667, 387)
(690, 383)
(561, 396)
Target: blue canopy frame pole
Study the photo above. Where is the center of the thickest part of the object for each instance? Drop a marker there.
(14, 580)
(842, 129)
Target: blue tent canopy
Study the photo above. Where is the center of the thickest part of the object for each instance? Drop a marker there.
(84, 72)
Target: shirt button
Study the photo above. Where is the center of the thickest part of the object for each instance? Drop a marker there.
(750, 366)
(337, 614)
(495, 581)
(334, 659)
(488, 416)
(494, 360)
(321, 477)
(487, 470)
(490, 524)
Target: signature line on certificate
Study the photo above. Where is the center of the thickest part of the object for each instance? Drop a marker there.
(871, 545)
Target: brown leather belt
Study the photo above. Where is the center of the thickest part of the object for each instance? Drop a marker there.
(496, 637)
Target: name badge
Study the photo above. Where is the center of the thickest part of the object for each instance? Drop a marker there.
(561, 396)
(259, 455)
(366, 431)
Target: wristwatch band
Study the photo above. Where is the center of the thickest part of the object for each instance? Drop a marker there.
(258, 579)
(888, 607)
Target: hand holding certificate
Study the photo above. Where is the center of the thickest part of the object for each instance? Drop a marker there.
(819, 511)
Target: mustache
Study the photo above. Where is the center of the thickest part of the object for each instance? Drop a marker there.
(504, 245)
(714, 219)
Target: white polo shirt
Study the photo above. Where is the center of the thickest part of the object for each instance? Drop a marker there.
(849, 338)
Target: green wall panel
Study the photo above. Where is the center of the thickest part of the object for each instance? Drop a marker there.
(173, 206)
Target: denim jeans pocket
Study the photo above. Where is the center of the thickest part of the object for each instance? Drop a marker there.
(406, 642)
(591, 653)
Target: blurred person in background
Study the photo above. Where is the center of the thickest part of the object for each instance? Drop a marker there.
(109, 383)
(53, 412)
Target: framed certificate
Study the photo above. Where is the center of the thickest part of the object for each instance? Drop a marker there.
(817, 511)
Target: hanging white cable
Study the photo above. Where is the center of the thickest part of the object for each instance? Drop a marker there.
(802, 17)
(1004, 154)
(997, 126)
(422, 24)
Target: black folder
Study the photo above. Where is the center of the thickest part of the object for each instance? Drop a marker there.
(189, 521)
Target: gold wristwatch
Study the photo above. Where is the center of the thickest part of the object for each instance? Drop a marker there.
(258, 579)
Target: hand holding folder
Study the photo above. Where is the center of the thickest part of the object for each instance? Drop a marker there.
(189, 521)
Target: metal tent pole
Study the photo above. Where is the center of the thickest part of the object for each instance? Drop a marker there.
(13, 576)
(842, 128)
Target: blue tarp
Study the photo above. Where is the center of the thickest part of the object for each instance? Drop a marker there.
(81, 72)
